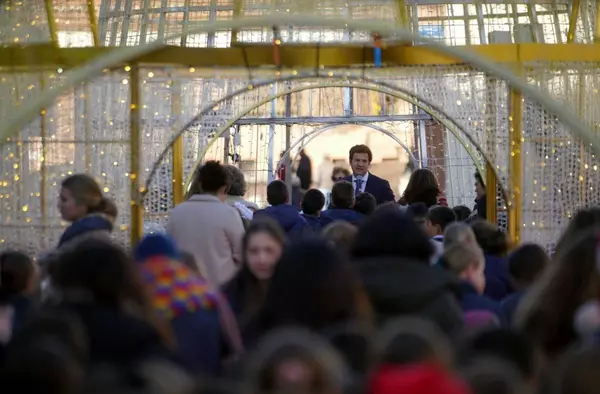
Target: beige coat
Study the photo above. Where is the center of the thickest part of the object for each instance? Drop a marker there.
(212, 232)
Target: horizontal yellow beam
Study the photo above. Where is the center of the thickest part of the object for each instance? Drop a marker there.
(47, 57)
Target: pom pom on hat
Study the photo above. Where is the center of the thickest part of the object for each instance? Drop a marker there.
(156, 245)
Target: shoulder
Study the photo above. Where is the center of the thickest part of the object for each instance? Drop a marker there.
(377, 179)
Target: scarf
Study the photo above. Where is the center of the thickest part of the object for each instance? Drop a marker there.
(175, 289)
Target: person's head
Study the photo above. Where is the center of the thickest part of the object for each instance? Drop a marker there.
(438, 218)
(213, 178)
(578, 371)
(295, 361)
(462, 212)
(339, 173)
(360, 159)
(277, 193)
(262, 246)
(340, 234)
(313, 202)
(459, 233)
(100, 270)
(342, 195)
(548, 311)
(238, 182)
(313, 286)
(490, 238)
(508, 345)
(410, 340)
(526, 264)
(365, 203)
(391, 233)
(156, 246)
(422, 187)
(18, 274)
(583, 221)
(493, 375)
(468, 263)
(479, 185)
(418, 212)
(80, 195)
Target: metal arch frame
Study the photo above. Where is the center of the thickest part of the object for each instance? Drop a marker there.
(386, 30)
(318, 131)
(394, 91)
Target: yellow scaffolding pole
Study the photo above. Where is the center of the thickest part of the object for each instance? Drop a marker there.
(573, 21)
(137, 214)
(597, 27)
(238, 9)
(51, 22)
(93, 22)
(177, 153)
(515, 170)
(402, 13)
(43, 166)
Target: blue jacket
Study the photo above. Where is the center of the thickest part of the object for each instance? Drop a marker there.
(289, 219)
(314, 222)
(497, 278)
(510, 305)
(198, 336)
(342, 214)
(378, 187)
(84, 225)
(470, 300)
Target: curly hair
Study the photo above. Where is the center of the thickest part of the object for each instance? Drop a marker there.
(238, 185)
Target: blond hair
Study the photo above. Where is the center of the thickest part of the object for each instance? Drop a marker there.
(459, 233)
(460, 256)
(86, 191)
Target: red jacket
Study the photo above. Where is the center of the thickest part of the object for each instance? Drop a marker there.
(415, 379)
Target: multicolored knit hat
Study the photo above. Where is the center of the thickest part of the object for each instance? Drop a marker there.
(175, 289)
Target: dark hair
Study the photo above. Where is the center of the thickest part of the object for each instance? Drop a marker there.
(360, 149)
(212, 176)
(441, 216)
(102, 268)
(244, 285)
(342, 195)
(479, 179)
(527, 262)
(505, 344)
(490, 238)
(365, 203)
(277, 193)
(547, 312)
(16, 270)
(341, 234)
(422, 187)
(577, 372)
(462, 212)
(390, 232)
(417, 210)
(313, 202)
(86, 191)
(313, 286)
(238, 183)
(583, 220)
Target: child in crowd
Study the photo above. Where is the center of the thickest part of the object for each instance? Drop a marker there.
(438, 218)
(468, 263)
(418, 212)
(312, 205)
(288, 216)
(462, 212)
(525, 265)
(365, 203)
(342, 205)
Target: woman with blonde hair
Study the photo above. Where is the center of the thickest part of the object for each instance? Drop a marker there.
(82, 203)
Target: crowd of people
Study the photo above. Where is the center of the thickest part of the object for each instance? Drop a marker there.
(370, 295)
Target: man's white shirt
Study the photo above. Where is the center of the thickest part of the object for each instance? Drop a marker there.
(364, 182)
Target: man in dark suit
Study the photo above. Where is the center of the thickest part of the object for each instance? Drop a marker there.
(362, 180)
